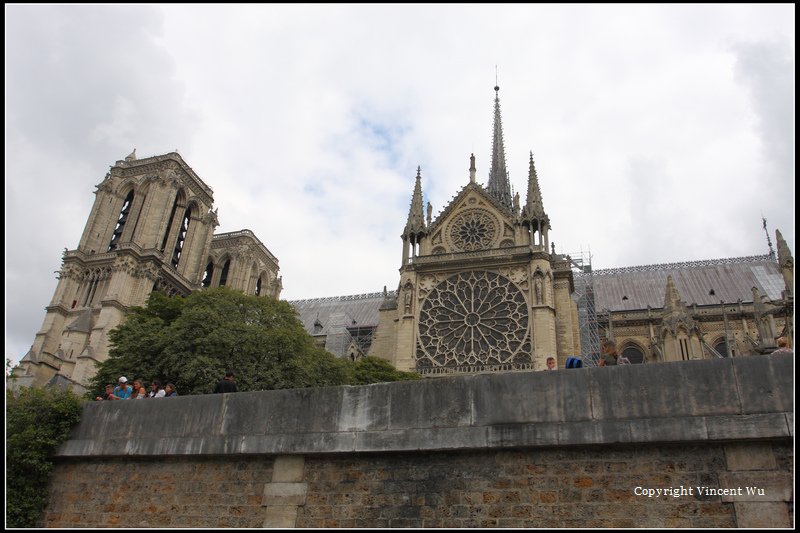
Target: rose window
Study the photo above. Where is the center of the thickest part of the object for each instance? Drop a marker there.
(473, 230)
(473, 318)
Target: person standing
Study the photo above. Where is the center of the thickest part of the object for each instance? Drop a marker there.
(609, 354)
(783, 346)
(156, 390)
(226, 384)
(139, 392)
(108, 394)
(123, 391)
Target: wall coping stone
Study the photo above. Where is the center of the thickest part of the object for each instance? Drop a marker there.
(722, 400)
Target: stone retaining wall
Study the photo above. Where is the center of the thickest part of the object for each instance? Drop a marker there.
(573, 448)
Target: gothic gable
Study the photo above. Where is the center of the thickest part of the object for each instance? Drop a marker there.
(472, 221)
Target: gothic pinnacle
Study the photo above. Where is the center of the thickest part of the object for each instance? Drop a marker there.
(416, 216)
(498, 185)
(534, 207)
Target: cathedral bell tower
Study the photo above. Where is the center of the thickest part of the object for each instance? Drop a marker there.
(479, 290)
(150, 228)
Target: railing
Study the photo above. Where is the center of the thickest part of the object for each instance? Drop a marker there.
(685, 264)
(474, 369)
(244, 233)
(476, 254)
(365, 296)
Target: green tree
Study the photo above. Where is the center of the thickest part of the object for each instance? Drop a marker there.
(38, 421)
(377, 370)
(192, 341)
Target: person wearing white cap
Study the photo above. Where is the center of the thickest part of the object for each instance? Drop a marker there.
(123, 390)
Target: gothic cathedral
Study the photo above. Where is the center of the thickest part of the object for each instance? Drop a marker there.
(480, 290)
(151, 228)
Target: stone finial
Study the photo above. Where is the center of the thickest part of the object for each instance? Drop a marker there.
(672, 298)
(131, 156)
(785, 261)
(472, 168)
(416, 220)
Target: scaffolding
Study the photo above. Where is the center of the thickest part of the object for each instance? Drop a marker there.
(589, 329)
(347, 339)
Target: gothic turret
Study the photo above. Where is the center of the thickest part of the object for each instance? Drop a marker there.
(533, 214)
(415, 226)
(785, 261)
(416, 217)
(672, 298)
(499, 185)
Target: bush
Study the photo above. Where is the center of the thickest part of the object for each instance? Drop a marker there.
(38, 421)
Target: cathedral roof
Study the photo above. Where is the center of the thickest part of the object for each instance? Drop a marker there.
(231, 238)
(730, 279)
(340, 311)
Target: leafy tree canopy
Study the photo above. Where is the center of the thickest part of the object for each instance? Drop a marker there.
(192, 341)
(37, 422)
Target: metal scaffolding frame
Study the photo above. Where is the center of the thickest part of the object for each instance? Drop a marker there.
(589, 328)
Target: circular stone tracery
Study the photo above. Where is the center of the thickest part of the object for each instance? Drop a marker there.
(473, 230)
(472, 318)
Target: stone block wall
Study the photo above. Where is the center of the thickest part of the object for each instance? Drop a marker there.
(660, 445)
(545, 488)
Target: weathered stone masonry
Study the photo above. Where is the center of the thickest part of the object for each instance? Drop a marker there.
(544, 449)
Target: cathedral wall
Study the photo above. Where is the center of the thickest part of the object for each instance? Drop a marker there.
(564, 326)
(502, 450)
(48, 336)
(383, 340)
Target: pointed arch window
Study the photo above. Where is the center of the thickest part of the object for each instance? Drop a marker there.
(722, 348)
(633, 354)
(223, 277)
(169, 224)
(258, 286)
(123, 218)
(176, 253)
(208, 274)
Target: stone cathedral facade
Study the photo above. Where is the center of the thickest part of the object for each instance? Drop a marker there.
(151, 228)
(480, 289)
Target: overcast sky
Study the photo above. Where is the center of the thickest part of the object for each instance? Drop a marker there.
(661, 133)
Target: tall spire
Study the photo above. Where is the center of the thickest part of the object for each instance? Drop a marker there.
(498, 185)
(534, 207)
(416, 216)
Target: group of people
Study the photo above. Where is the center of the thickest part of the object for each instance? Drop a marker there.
(137, 391)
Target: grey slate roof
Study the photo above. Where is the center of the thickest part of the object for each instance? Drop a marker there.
(337, 312)
(730, 278)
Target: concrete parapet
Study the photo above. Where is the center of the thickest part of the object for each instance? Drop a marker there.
(691, 401)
